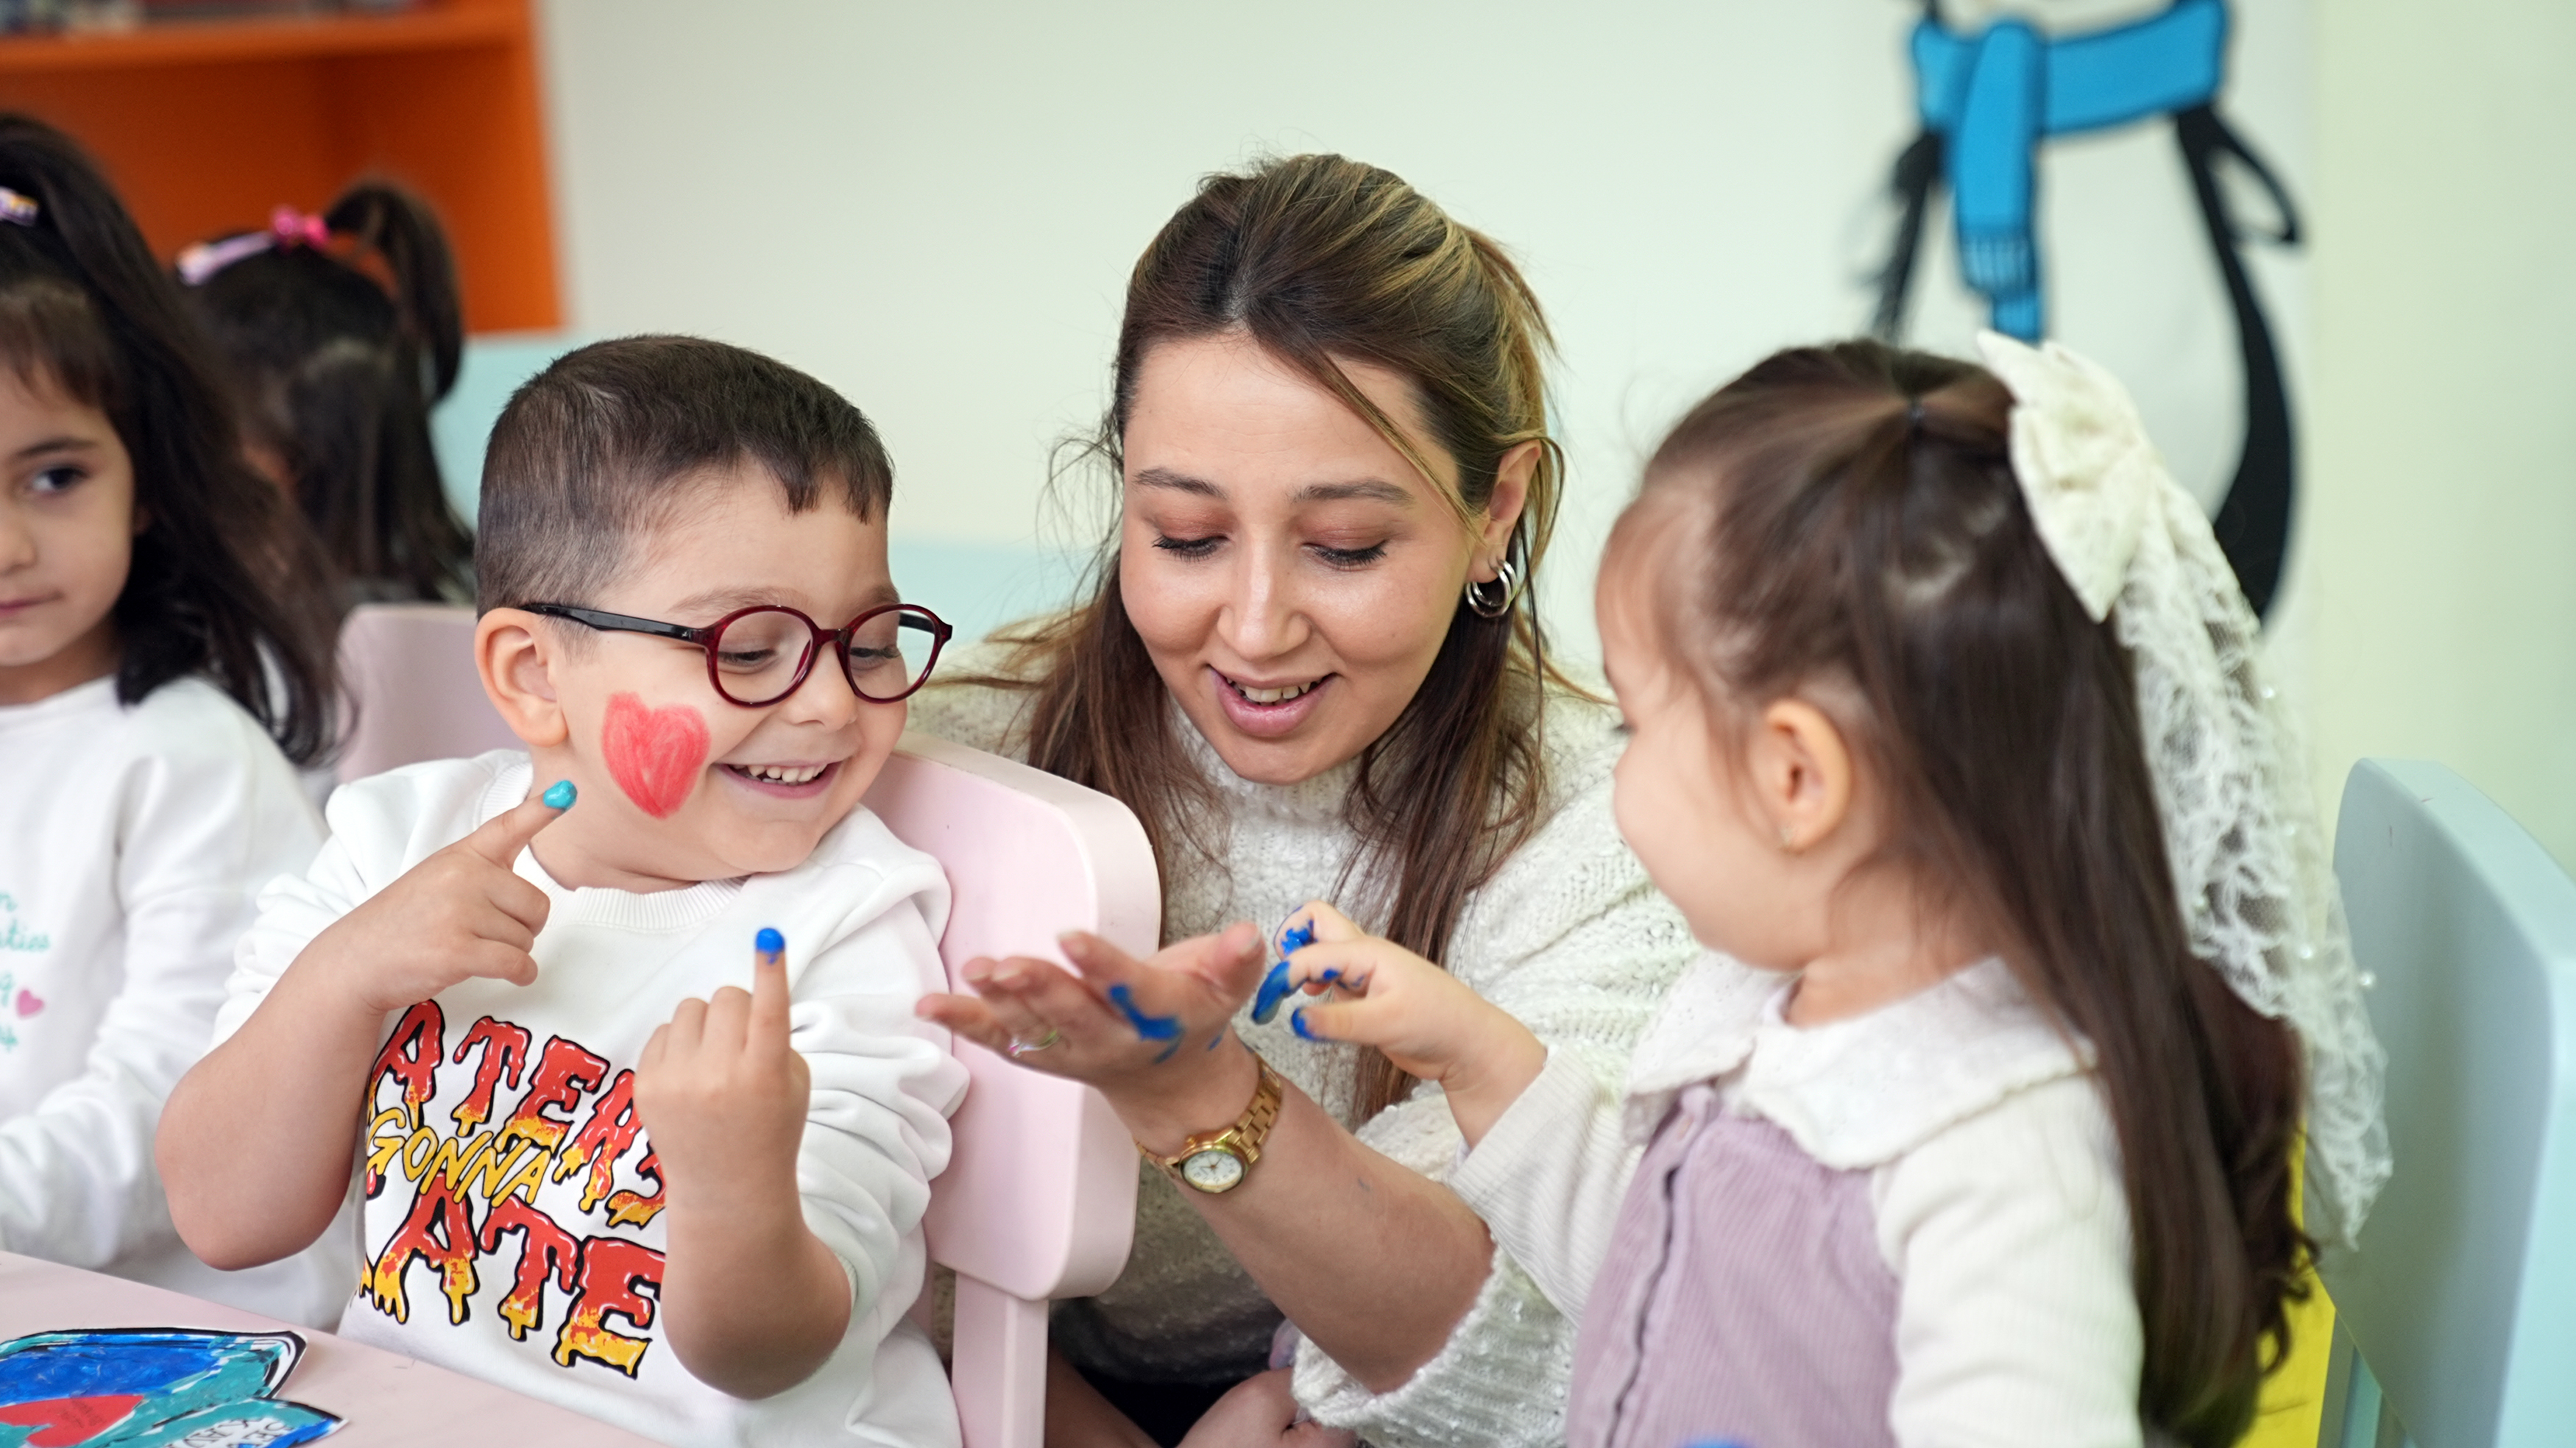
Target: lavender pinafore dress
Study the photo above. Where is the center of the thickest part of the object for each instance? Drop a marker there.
(1755, 1309)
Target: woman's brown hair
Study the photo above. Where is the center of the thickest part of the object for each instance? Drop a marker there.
(1324, 261)
(1846, 517)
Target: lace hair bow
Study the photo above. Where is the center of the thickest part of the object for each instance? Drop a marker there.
(286, 227)
(2249, 860)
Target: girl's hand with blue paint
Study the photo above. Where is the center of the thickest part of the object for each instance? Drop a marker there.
(1427, 1021)
(1153, 1035)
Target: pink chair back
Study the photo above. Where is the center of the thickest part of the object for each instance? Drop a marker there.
(1039, 1200)
(408, 669)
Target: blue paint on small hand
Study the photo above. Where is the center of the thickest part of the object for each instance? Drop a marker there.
(1297, 938)
(1274, 989)
(1297, 1023)
(1151, 1028)
(560, 794)
(769, 941)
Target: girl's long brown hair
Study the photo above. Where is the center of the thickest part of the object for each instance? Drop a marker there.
(1848, 516)
(226, 582)
(1325, 261)
(336, 374)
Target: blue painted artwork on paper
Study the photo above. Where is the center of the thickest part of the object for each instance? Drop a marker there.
(153, 1388)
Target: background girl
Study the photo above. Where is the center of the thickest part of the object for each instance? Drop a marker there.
(1948, 724)
(164, 652)
(336, 371)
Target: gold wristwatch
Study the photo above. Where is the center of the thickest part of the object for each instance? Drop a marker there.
(1217, 1161)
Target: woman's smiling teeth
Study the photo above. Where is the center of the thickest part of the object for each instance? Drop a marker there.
(1271, 696)
(781, 773)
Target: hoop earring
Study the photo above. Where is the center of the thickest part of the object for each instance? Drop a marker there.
(1507, 580)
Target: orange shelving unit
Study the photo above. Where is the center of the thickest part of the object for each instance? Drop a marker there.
(205, 126)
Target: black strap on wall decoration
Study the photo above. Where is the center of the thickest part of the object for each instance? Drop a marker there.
(2253, 519)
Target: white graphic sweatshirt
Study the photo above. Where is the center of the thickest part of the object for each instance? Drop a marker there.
(510, 1198)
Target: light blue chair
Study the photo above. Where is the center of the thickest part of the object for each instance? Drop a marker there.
(2456, 1315)
(976, 586)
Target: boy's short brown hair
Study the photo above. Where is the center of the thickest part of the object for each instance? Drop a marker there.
(600, 445)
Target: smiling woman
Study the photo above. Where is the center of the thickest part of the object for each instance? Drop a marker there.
(1311, 664)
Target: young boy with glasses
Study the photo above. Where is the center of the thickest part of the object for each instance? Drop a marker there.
(589, 1166)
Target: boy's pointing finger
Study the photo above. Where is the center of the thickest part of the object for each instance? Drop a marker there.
(504, 835)
(769, 994)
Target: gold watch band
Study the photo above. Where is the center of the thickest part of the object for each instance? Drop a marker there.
(1243, 1140)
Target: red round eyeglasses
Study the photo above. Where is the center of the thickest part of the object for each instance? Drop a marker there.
(759, 655)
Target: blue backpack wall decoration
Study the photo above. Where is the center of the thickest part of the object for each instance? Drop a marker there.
(1986, 101)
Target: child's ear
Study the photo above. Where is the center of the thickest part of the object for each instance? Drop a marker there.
(1802, 772)
(516, 657)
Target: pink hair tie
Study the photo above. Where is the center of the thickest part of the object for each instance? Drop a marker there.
(286, 227)
(291, 226)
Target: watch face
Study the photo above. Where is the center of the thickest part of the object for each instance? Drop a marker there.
(1212, 1170)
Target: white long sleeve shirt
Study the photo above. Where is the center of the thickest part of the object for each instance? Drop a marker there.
(1994, 1185)
(511, 1199)
(132, 844)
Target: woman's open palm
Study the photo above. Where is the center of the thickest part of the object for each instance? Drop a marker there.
(1120, 1023)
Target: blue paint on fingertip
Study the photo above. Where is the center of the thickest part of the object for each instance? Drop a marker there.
(1274, 989)
(1151, 1028)
(1297, 1023)
(560, 794)
(769, 941)
(1297, 938)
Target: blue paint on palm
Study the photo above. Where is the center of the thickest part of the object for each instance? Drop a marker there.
(1149, 1027)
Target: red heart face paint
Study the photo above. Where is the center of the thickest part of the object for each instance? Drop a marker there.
(654, 754)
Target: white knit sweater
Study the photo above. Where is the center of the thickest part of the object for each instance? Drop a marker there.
(1569, 936)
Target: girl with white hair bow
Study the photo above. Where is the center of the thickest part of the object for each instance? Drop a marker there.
(2027, 979)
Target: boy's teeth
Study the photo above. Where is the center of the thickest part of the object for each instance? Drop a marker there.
(1272, 696)
(784, 774)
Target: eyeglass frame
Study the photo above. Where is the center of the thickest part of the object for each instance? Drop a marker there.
(704, 636)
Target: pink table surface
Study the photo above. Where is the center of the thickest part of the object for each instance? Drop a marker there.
(386, 1401)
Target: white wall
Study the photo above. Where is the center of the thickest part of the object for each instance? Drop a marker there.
(935, 207)
(2445, 533)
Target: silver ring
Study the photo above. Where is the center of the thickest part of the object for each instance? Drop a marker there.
(1019, 1048)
